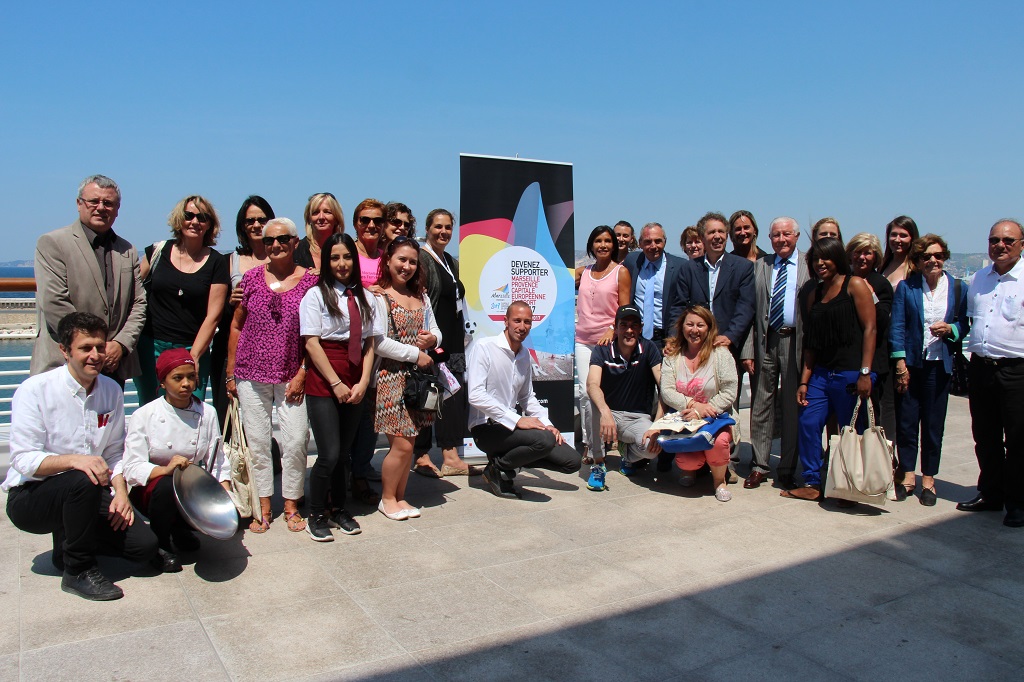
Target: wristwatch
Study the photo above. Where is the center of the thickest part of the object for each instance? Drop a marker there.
(864, 371)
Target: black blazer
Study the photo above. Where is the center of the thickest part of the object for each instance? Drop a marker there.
(673, 266)
(734, 296)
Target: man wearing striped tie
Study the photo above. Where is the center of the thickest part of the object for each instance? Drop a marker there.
(772, 353)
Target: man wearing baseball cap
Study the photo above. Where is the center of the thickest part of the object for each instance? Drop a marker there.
(623, 378)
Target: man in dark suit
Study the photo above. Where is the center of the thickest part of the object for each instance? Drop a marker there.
(86, 268)
(724, 283)
(654, 274)
(772, 353)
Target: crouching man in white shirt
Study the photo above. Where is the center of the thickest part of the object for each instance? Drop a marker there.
(67, 440)
(499, 378)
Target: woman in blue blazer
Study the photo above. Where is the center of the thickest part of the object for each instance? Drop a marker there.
(929, 319)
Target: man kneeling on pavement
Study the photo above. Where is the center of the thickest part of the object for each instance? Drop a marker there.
(623, 376)
(67, 440)
(500, 377)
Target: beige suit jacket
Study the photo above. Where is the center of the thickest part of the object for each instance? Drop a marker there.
(68, 279)
(755, 345)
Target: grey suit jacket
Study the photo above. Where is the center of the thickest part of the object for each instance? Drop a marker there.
(68, 279)
(754, 347)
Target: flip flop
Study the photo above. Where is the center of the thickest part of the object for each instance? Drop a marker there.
(293, 520)
(428, 470)
(806, 493)
(260, 526)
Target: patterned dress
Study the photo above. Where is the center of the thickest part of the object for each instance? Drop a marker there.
(391, 417)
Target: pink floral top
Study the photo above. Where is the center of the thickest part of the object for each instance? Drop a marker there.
(269, 346)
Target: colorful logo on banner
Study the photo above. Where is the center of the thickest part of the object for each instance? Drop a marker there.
(516, 260)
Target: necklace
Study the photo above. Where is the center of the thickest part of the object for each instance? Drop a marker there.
(193, 264)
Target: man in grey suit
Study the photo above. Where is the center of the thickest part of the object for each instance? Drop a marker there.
(772, 353)
(85, 267)
(654, 274)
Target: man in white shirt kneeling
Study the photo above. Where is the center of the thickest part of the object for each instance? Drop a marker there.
(67, 440)
(501, 377)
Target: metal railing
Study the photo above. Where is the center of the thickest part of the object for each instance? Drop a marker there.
(131, 395)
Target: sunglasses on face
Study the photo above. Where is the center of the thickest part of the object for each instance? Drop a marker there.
(281, 239)
(398, 222)
(201, 217)
(262, 220)
(1006, 241)
(925, 257)
(365, 221)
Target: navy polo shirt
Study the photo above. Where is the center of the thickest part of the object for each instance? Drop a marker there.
(627, 384)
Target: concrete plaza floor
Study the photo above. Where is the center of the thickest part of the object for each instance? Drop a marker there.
(646, 581)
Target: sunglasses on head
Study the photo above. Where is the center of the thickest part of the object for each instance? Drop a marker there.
(201, 217)
(403, 241)
(281, 239)
(321, 194)
(365, 221)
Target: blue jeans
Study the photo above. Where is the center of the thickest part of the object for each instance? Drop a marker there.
(827, 394)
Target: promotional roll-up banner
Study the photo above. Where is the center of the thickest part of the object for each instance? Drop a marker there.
(516, 243)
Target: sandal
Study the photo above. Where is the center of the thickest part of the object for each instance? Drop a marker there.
(363, 493)
(428, 470)
(463, 470)
(260, 527)
(293, 519)
(809, 493)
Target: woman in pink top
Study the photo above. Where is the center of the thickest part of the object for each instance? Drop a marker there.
(266, 369)
(603, 287)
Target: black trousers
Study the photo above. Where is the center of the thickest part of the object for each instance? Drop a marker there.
(334, 427)
(996, 394)
(510, 450)
(161, 510)
(74, 510)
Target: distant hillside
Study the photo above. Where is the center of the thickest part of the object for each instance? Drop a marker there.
(17, 264)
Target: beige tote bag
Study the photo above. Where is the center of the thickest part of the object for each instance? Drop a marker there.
(861, 466)
(243, 487)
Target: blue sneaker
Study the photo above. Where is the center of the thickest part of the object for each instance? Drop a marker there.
(627, 468)
(596, 480)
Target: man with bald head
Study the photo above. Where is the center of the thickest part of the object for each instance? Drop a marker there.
(995, 302)
(505, 418)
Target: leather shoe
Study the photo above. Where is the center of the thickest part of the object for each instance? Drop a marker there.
(90, 584)
(928, 497)
(166, 562)
(979, 503)
(755, 479)
(1014, 518)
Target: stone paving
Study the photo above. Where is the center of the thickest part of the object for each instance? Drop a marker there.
(646, 581)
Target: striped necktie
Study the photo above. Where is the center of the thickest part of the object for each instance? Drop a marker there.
(778, 306)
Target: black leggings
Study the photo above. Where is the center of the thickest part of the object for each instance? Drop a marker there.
(334, 427)
(162, 510)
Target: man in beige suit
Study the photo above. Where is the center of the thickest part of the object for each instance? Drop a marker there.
(772, 353)
(85, 267)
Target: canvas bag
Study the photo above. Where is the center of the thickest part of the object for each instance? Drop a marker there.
(861, 466)
(243, 487)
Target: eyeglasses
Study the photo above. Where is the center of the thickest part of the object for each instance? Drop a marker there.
(321, 194)
(281, 239)
(781, 235)
(365, 221)
(93, 203)
(262, 220)
(1006, 241)
(403, 241)
(201, 217)
(925, 257)
(398, 222)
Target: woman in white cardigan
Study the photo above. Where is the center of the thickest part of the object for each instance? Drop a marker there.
(699, 380)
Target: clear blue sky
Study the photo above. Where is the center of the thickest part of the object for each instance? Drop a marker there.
(862, 110)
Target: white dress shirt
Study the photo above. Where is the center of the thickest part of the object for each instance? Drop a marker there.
(995, 302)
(498, 380)
(934, 302)
(158, 431)
(316, 320)
(713, 272)
(51, 414)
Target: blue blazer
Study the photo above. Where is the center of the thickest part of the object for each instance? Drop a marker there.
(906, 329)
(673, 264)
(735, 296)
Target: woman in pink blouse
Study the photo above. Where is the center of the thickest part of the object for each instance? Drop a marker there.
(266, 370)
(603, 287)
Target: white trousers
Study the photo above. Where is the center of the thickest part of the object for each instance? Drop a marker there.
(256, 402)
(590, 419)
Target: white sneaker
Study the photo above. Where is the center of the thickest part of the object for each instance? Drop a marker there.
(722, 494)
